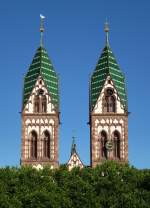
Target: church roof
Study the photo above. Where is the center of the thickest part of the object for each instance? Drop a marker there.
(107, 66)
(74, 160)
(41, 66)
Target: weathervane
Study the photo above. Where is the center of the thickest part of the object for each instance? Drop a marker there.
(106, 29)
(41, 29)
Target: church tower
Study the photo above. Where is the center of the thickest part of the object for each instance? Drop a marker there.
(108, 110)
(40, 111)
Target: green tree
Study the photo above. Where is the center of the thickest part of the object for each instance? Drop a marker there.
(110, 185)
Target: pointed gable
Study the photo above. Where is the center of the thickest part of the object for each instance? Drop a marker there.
(41, 66)
(74, 160)
(107, 66)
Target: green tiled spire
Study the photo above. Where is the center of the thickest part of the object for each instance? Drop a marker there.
(41, 66)
(107, 66)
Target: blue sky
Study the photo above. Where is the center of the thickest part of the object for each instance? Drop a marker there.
(74, 39)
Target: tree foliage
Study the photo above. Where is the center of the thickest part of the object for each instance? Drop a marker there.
(110, 185)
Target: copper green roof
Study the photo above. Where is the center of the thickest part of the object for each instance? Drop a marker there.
(107, 66)
(41, 66)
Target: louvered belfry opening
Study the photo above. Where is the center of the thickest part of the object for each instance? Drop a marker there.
(40, 102)
(43, 104)
(33, 145)
(104, 153)
(46, 144)
(109, 101)
(116, 141)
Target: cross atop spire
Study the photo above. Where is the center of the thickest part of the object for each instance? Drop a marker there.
(106, 29)
(41, 29)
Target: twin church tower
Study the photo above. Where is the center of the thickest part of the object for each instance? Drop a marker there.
(108, 111)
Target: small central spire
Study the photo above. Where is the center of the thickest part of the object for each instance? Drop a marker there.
(106, 29)
(73, 148)
(41, 29)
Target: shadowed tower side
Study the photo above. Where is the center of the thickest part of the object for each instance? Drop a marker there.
(108, 110)
(40, 111)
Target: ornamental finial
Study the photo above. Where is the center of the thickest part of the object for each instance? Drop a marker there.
(41, 29)
(106, 29)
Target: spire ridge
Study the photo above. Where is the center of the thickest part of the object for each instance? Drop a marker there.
(106, 29)
(41, 29)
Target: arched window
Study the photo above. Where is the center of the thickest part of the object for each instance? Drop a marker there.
(33, 144)
(40, 102)
(36, 104)
(103, 144)
(116, 140)
(109, 101)
(46, 144)
(44, 104)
